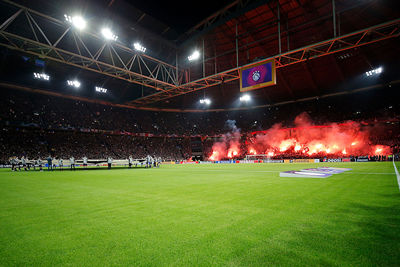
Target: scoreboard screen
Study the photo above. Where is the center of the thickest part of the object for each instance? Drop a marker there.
(257, 76)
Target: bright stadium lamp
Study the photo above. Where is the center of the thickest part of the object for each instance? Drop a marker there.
(100, 89)
(74, 83)
(77, 21)
(206, 101)
(374, 71)
(139, 47)
(245, 98)
(194, 56)
(41, 76)
(108, 34)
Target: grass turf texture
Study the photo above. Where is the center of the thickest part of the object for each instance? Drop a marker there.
(201, 215)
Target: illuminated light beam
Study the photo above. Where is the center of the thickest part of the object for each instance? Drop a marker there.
(100, 89)
(245, 98)
(74, 83)
(41, 76)
(194, 56)
(139, 47)
(77, 21)
(374, 72)
(206, 101)
(108, 34)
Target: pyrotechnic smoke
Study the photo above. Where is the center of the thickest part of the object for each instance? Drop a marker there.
(305, 139)
(229, 146)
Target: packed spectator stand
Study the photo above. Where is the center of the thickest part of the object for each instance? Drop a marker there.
(36, 125)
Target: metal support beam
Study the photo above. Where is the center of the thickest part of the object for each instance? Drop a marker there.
(287, 36)
(237, 46)
(215, 59)
(204, 64)
(176, 70)
(279, 27)
(359, 38)
(37, 34)
(334, 17)
(91, 100)
(231, 11)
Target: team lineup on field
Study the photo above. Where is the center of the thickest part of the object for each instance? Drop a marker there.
(60, 164)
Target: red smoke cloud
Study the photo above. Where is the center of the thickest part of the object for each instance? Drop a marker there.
(306, 140)
(229, 146)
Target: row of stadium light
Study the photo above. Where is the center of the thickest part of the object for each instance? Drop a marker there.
(101, 89)
(41, 76)
(194, 56)
(72, 83)
(243, 98)
(80, 24)
(374, 71)
(205, 101)
(75, 83)
(247, 98)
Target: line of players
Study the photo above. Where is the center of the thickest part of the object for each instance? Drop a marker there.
(26, 164)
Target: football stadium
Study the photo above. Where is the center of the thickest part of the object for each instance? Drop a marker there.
(203, 133)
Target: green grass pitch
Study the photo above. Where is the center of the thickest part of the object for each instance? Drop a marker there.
(201, 215)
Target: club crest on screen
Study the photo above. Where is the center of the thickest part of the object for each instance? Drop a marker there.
(256, 75)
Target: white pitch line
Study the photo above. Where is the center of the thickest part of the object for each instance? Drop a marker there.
(382, 173)
(397, 173)
(211, 170)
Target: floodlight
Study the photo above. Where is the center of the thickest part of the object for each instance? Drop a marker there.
(194, 56)
(74, 83)
(101, 89)
(108, 34)
(139, 47)
(206, 101)
(245, 98)
(77, 21)
(374, 71)
(68, 18)
(41, 76)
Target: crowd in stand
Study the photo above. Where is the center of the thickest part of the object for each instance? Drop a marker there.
(49, 112)
(35, 144)
(35, 125)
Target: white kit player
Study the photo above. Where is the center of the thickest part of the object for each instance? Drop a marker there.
(40, 163)
(23, 162)
(109, 162)
(60, 163)
(85, 160)
(130, 161)
(72, 162)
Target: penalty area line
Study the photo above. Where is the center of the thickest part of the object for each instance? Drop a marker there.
(397, 173)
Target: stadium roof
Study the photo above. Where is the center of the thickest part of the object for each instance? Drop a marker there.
(232, 33)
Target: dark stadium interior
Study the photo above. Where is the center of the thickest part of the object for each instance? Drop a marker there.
(200, 133)
(331, 88)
